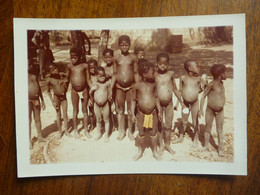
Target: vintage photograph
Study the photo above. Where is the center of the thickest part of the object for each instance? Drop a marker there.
(130, 95)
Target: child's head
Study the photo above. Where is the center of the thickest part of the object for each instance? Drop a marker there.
(53, 69)
(139, 52)
(124, 43)
(191, 66)
(162, 61)
(218, 70)
(108, 55)
(75, 55)
(146, 70)
(92, 64)
(100, 73)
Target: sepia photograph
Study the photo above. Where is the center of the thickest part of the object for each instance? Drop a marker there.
(140, 95)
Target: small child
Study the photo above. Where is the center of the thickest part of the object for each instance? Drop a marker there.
(35, 94)
(148, 107)
(79, 79)
(58, 82)
(101, 91)
(165, 84)
(190, 87)
(140, 53)
(124, 76)
(92, 65)
(108, 55)
(215, 92)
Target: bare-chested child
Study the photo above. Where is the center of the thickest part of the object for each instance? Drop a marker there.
(124, 76)
(58, 83)
(35, 95)
(92, 65)
(165, 84)
(79, 79)
(148, 109)
(190, 87)
(102, 93)
(215, 92)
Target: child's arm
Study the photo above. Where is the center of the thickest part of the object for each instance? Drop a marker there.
(203, 97)
(109, 91)
(133, 103)
(180, 89)
(136, 76)
(177, 93)
(41, 97)
(203, 82)
(89, 81)
(113, 79)
(158, 105)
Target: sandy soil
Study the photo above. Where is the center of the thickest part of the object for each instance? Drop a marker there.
(67, 149)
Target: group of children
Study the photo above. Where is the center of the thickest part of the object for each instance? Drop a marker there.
(129, 80)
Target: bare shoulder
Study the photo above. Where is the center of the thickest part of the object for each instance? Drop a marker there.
(183, 77)
(85, 65)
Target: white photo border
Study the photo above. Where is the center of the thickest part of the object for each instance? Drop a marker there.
(237, 167)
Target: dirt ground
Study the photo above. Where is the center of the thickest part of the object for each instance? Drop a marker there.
(67, 150)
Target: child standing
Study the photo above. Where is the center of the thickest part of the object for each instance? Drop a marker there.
(79, 78)
(215, 92)
(148, 107)
(101, 91)
(35, 94)
(58, 82)
(124, 76)
(165, 84)
(190, 87)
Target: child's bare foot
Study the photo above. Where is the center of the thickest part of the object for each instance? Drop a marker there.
(138, 156)
(157, 156)
(131, 136)
(98, 136)
(76, 134)
(121, 136)
(221, 153)
(161, 149)
(68, 134)
(170, 150)
(87, 134)
(179, 140)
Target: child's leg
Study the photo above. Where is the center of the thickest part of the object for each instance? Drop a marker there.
(37, 119)
(120, 109)
(64, 105)
(219, 125)
(168, 127)
(98, 113)
(106, 117)
(195, 121)
(58, 112)
(75, 104)
(154, 137)
(160, 134)
(209, 117)
(30, 123)
(91, 117)
(129, 113)
(140, 138)
(85, 112)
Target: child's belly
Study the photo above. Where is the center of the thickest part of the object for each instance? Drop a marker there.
(216, 103)
(146, 107)
(190, 95)
(165, 95)
(78, 83)
(100, 97)
(33, 91)
(125, 80)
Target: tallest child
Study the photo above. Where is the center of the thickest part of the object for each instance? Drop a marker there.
(124, 76)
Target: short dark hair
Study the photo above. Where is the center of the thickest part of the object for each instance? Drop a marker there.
(144, 66)
(77, 51)
(110, 51)
(93, 61)
(138, 49)
(162, 55)
(99, 68)
(217, 69)
(124, 38)
(187, 64)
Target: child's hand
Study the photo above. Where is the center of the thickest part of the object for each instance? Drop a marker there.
(43, 105)
(160, 116)
(200, 113)
(133, 118)
(113, 107)
(94, 87)
(90, 102)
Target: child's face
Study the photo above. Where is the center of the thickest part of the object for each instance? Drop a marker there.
(149, 74)
(140, 55)
(108, 58)
(54, 70)
(163, 64)
(124, 46)
(92, 68)
(194, 67)
(223, 75)
(101, 76)
(74, 58)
